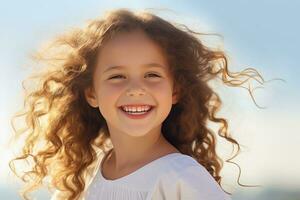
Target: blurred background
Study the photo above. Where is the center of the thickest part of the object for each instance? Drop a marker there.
(263, 34)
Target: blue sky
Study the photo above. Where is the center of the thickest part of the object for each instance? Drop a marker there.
(260, 33)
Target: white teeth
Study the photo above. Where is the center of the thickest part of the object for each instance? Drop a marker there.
(136, 109)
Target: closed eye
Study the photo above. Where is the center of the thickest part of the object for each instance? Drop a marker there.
(117, 76)
(155, 75)
(113, 77)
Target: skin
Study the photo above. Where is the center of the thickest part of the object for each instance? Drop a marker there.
(136, 142)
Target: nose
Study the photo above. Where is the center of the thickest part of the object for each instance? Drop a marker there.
(135, 92)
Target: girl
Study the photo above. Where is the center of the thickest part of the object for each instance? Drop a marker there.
(121, 112)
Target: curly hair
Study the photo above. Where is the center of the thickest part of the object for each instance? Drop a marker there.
(62, 127)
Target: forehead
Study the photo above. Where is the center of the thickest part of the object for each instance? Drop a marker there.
(130, 49)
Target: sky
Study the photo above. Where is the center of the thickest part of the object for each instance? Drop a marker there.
(263, 34)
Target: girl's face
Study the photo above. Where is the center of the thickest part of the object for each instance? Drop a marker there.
(142, 77)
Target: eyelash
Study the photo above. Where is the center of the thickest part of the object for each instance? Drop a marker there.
(114, 77)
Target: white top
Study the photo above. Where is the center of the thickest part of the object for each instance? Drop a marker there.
(174, 176)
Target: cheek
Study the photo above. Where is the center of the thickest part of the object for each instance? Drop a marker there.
(108, 96)
(163, 93)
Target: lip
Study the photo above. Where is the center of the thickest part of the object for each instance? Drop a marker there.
(137, 105)
(140, 116)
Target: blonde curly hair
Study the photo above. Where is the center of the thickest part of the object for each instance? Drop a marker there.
(60, 147)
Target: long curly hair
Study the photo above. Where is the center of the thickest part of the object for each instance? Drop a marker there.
(62, 128)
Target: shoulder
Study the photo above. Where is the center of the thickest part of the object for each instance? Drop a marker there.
(58, 195)
(187, 179)
(89, 174)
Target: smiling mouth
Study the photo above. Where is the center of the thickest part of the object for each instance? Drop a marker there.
(136, 112)
(137, 115)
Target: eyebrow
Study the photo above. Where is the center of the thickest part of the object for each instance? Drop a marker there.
(145, 65)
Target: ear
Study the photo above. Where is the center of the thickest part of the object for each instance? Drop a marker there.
(90, 97)
(175, 97)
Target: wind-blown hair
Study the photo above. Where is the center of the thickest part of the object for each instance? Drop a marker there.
(62, 128)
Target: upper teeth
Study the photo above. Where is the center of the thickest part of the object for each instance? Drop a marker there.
(134, 109)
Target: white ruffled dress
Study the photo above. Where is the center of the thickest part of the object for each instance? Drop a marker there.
(172, 177)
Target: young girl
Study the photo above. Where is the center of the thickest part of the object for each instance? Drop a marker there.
(121, 112)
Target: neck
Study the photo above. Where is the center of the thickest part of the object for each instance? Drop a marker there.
(129, 152)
